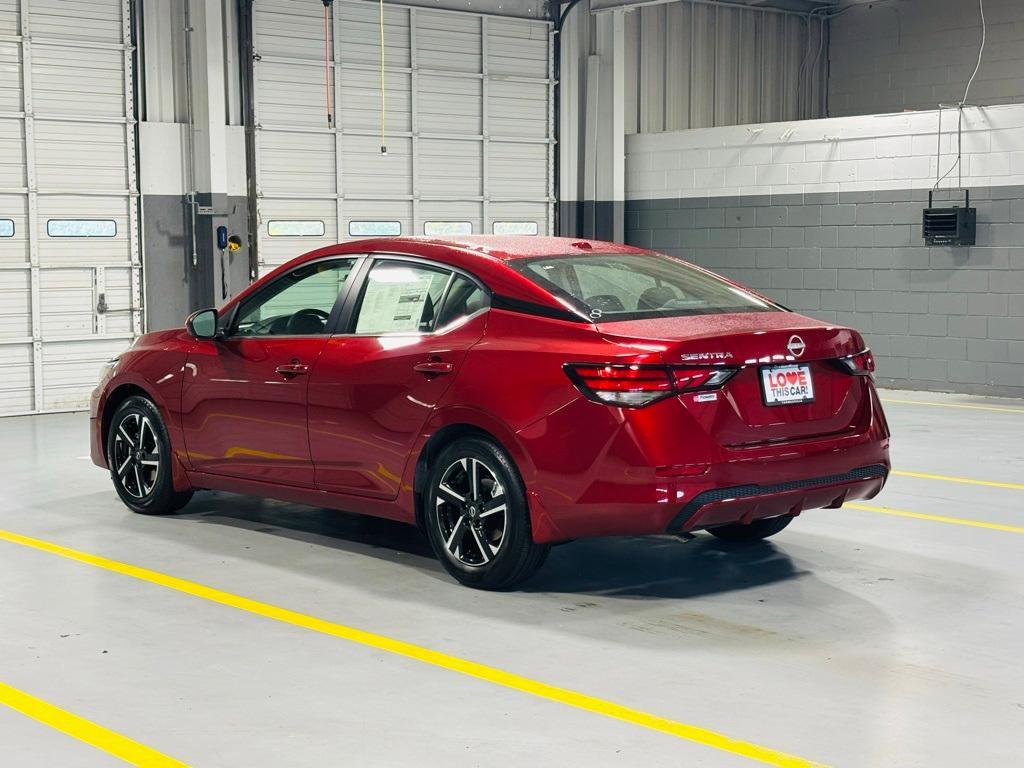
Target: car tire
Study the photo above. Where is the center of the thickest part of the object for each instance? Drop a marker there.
(755, 531)
(480, 529)
(139, 457)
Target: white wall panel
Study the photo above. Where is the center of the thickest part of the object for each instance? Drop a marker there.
(368, 174)
(15, 304)
(14, 250)
(95, 160)
(71, 368)
(10, 76)
(81, 20)
(69, 80)
(517, 49)
(360, 93)
(18, 383)
(12, 154)
(9, 17)
(448, 41)
(67, 152)
(449, 105)
(517, 109)
(451, 168)
(468, 111)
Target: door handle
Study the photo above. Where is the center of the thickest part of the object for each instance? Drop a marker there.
(434, 367)
(292, 369)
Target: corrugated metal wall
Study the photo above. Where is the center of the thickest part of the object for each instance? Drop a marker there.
(468, 116)
(70, 273)
(694, 65)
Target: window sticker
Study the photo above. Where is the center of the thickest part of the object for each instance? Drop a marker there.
(395, 298)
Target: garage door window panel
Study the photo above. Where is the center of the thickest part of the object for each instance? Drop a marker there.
(81, 228)
(295, 228)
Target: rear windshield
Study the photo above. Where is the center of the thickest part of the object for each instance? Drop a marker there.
(611, 287)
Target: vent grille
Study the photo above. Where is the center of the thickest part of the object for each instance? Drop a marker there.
(949, 226)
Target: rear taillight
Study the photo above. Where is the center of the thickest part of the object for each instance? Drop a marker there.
(634, 386)
(860, 364)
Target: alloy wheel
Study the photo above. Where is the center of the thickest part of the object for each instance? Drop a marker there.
(472, 512)
(136, 455)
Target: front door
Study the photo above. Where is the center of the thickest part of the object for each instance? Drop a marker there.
(375, 386)
(244, 397)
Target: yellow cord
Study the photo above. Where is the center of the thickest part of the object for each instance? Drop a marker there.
(383, 109)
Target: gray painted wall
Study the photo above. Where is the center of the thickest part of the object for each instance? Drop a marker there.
(174, 288)
(937, 318)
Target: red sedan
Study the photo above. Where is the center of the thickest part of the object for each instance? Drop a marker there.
(503, 394)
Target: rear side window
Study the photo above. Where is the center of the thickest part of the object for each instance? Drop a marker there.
(633, 286)
(401, 297)
(464, 298)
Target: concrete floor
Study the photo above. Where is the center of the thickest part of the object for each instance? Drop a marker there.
(855, 638)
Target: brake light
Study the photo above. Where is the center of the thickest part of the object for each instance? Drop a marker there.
(634, 386)
(860, 364)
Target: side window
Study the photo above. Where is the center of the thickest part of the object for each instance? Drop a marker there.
(463, 299)
(296, 304)
(401, 297)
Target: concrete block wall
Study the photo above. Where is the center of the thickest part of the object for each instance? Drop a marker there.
(916, 54)
(825, 217)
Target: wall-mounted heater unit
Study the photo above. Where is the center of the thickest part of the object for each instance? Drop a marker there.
(949, 226)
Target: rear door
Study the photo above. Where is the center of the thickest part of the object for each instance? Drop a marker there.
(244, 397)
(375, 384)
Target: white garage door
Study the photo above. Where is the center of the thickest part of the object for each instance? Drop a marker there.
(468, 124)
(69, 260)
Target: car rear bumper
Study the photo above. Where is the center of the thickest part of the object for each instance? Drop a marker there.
(746, 503)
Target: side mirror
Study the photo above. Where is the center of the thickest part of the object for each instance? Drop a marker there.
(203, 324)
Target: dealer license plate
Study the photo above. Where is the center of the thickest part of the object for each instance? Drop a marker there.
(787, 384)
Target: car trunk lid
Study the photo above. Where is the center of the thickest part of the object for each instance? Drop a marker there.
(760, 344)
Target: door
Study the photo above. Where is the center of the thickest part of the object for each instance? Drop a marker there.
(70, 268)
(375, 386)
(244, 397)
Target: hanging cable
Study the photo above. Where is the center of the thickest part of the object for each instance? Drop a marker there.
(805, 72)
(327, 62)
(383, 106)
(981, 50)
(960, 113)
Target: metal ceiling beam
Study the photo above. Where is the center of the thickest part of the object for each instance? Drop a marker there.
(788, 7)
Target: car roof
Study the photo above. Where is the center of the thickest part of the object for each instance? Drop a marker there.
(508, 247)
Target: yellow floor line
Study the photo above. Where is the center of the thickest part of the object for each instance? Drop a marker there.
(936, 518)
(516, 682)
(79, 728)
(997, 408)
(964, 480)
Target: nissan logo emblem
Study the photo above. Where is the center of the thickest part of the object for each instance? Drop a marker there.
(796, 346)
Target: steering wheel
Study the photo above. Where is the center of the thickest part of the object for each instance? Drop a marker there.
(307, 321)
